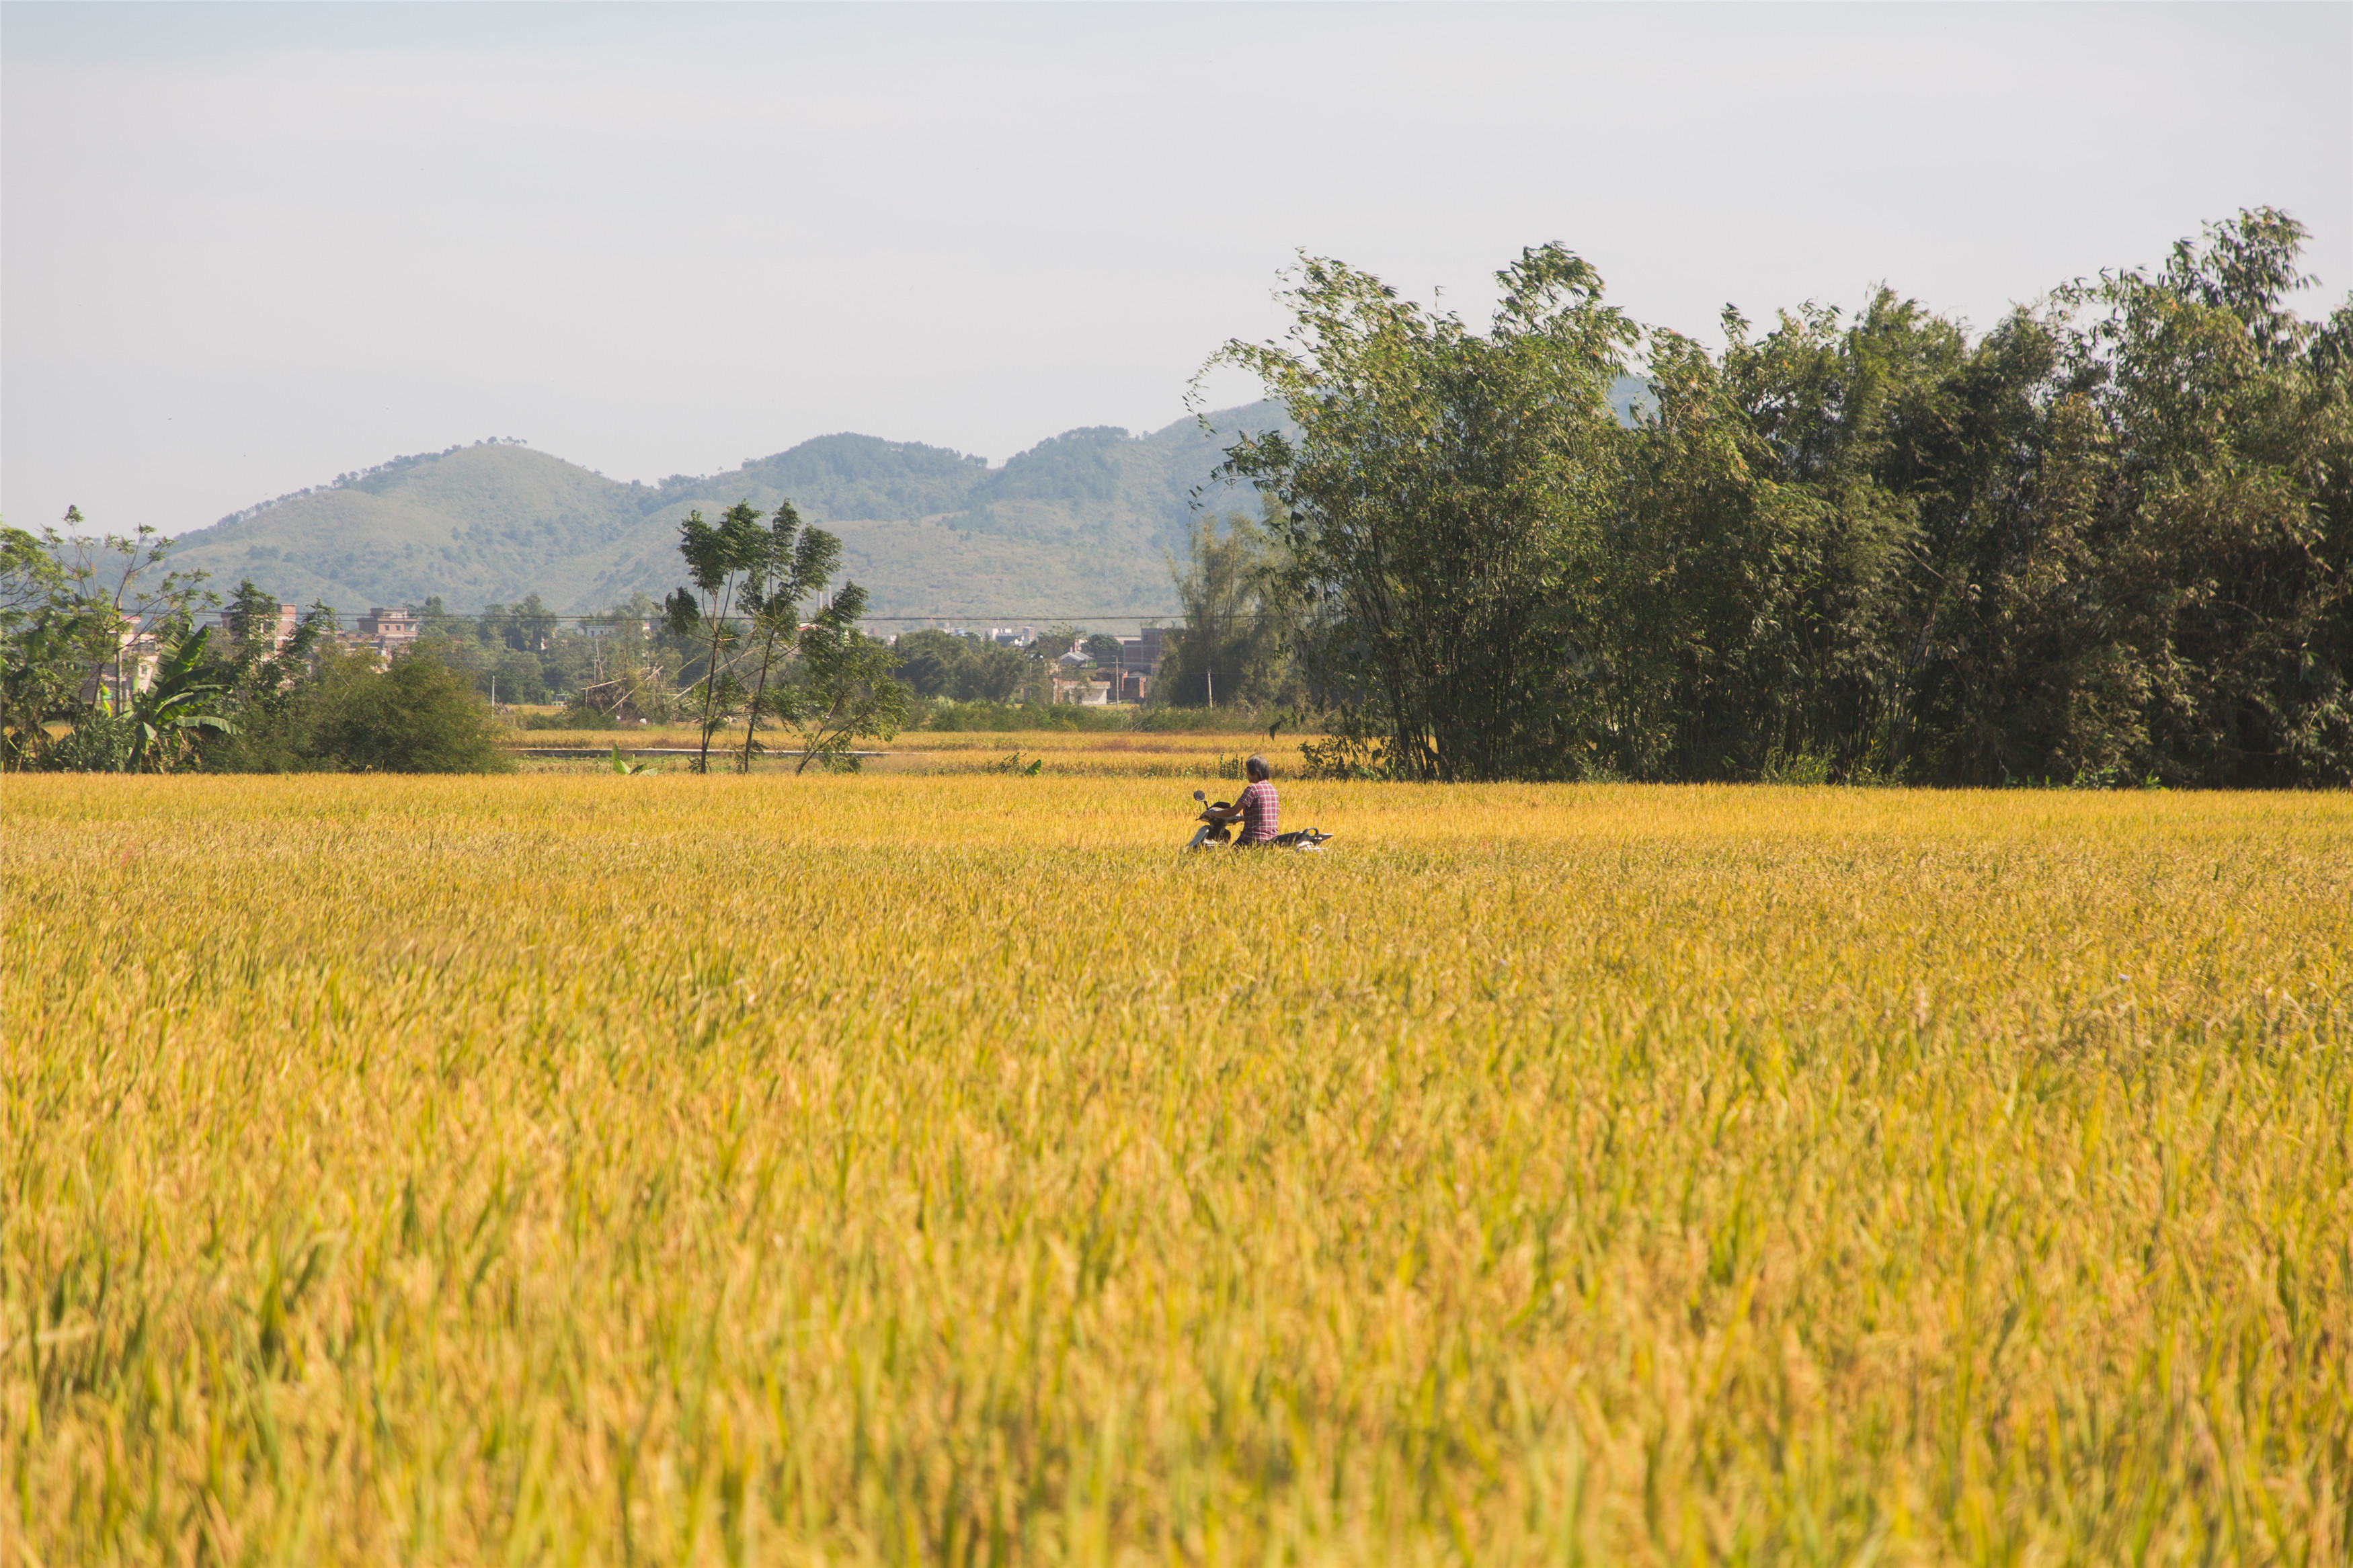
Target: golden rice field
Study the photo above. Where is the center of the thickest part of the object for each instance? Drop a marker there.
(942, 1169)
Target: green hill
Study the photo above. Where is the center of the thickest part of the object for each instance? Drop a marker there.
(1075, 525)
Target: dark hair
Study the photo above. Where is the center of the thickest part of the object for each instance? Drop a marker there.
(1256, 767)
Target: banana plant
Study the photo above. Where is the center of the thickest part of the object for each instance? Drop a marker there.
(175, 705)
(621, 765)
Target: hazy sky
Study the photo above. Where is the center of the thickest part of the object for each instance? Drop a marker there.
(244, 249)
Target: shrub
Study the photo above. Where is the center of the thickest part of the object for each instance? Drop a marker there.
(100, 743)
(420, 715)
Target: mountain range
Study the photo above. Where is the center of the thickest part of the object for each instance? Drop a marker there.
(1076, 525)
(1082, 524)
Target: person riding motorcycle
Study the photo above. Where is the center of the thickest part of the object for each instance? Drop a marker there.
(1257, 809)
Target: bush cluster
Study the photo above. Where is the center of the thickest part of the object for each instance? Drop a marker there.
(415, 715)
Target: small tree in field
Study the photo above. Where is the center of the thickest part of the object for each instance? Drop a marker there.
(793, 564)
(720, 561)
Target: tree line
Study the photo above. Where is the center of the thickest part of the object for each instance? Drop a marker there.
(2106, 541)
(111, 661)
(105, 668)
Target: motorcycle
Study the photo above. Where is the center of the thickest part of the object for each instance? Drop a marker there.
(1216, 833)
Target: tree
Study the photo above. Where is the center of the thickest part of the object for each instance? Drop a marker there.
(520, 677)
(1055, 641)
(1444, 499)
(418, 716)
(530, 624)
(928, 661)
(40, 633)
(1774, 559)
(1241, 619)
(434, 620)
(793, 564)
(2200, 460)
(266, 681)
(718, 560)
(125, 587)
(991, 672)
(2109, 541)
(966, 668)
(31, 577)
(75, 634)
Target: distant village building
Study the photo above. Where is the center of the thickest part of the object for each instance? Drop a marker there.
(389, 631)
(1140, 655)
(1139, 660)
(1127, 679)
(1074, 681)
(383, 631)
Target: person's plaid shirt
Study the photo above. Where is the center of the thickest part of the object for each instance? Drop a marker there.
(1262, 811)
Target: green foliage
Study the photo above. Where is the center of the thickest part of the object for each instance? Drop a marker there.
(1076, 465)
(863, 477)
(435, 620)
(846, 689)
(940, 664)
(1244, 621)
(101, 741)
(176, 706)
(82, 622)
(2111, 538)
(824, 681)
(524, 628)
(418, 716)
(791, 564)
(267, 684)
(720, 560)
(574, 716)
(29, 575)
(1447, 494)
(41, 664)
(344, 713)
(518, 678)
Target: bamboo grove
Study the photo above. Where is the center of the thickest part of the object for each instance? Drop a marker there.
(2106, 542)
